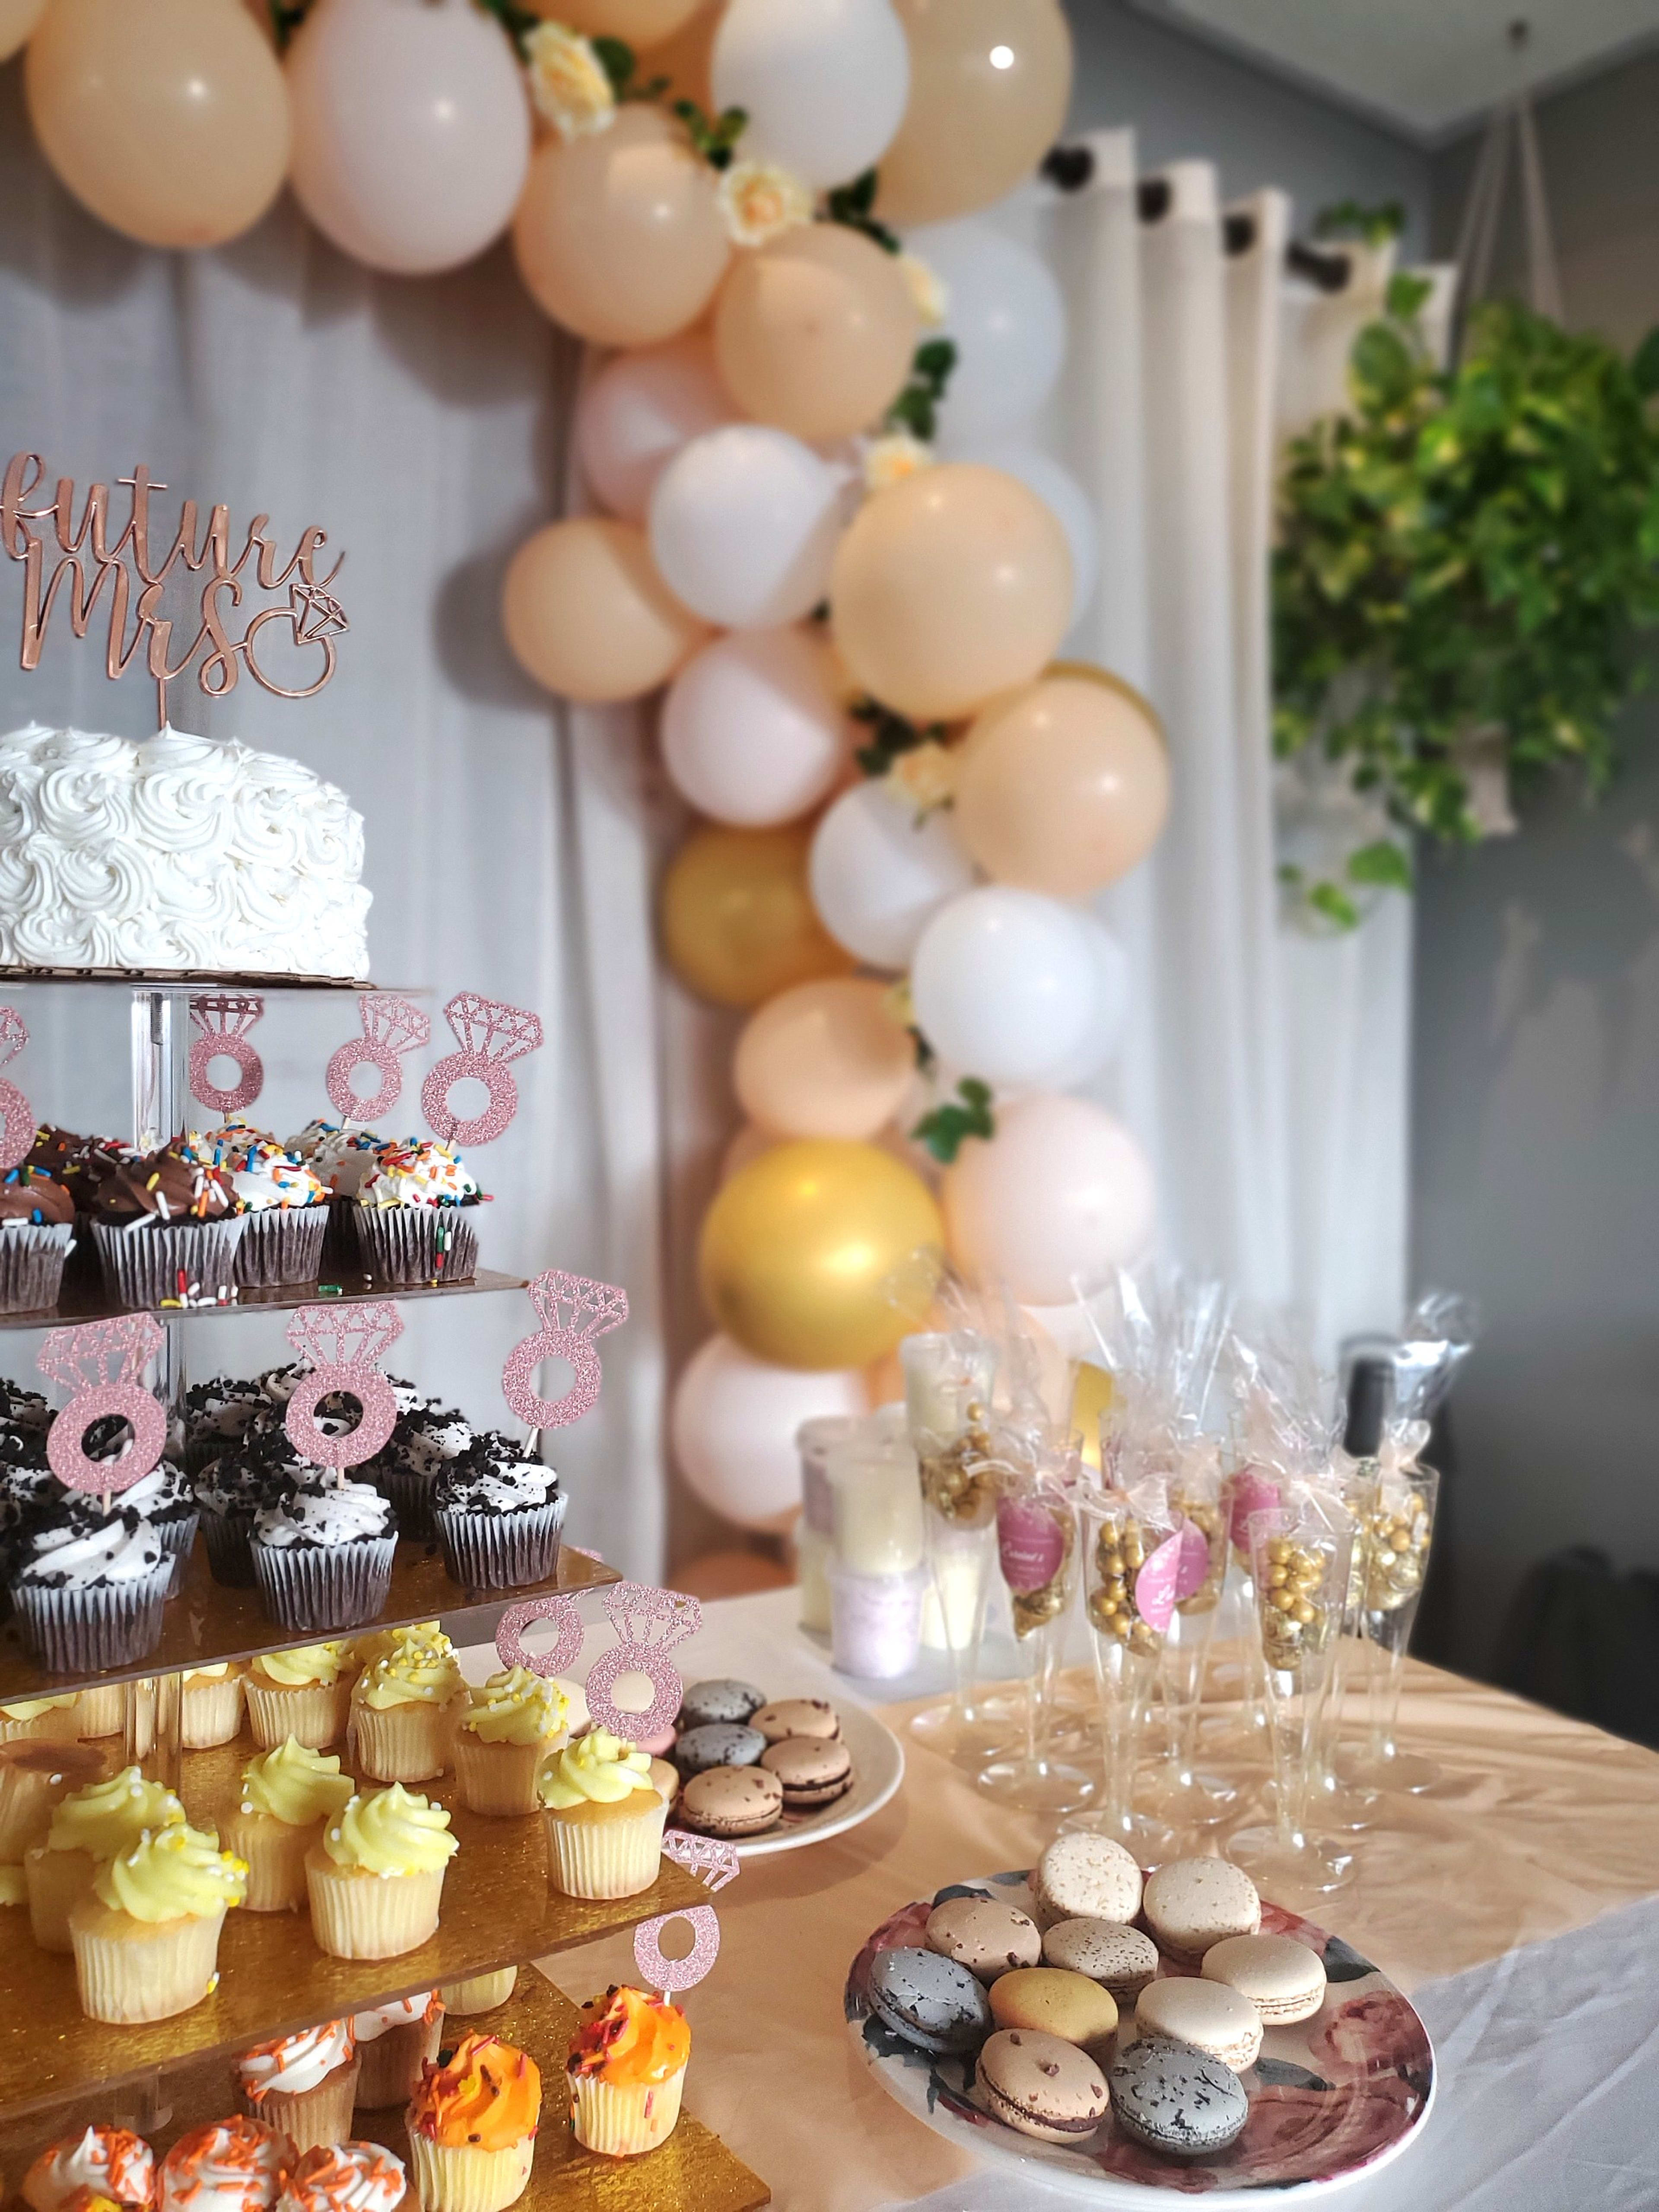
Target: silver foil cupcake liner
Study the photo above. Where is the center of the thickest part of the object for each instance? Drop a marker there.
(323, 1587)
(176, 1536)
(500, 1551)
(78, 1630)
(341, 1254)
(409, 1244)
(283, 1245)
(31, 1256)
(142, 1267)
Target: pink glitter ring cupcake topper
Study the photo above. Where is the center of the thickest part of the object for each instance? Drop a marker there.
(489, 1033)
(648, 1623)
(575, 1311)
(221, 1024)
(718, 1863)
(511, 1648)
(391, 1025)
(16, 1115)
(101, 1364)
(343, 1344)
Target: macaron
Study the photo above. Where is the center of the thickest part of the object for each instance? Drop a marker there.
(796, 1717)
(1285, 1980)
(1191, 1903)
(718, 1743)
(988, 1937)
(730, 1801)
(1083, 1875)
(1209, 2016)
(1175, 2100)
(1040, 2085)
(1052, 2001)
(929, 2000)
(1121, 1960)
(722, 1699)
(814, 1770)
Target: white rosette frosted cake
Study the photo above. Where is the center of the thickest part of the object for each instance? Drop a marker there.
(322, 1557)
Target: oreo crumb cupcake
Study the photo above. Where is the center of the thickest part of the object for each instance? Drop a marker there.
(165, 1226)
(165, 1497)
(217, 1413)
(322, 1558)
(498, 1516)
(413, 1213)
(36, 1227)
(90, 1599)
(257, 1475)
(426, 1438)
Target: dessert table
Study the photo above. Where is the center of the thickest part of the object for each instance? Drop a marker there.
(1517, 1903)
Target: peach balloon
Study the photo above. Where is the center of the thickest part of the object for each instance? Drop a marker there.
(638, 23)
(686, 59)
(952, 585)
(17, 21)
(990, 82)
(815, 332)
(1062, 787)
(738, 920)
(824, 1059)
(169, 121)
(587, 614)
(619, 236)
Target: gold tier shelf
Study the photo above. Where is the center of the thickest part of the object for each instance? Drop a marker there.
(692, 2172)
(81, 1302)
(208, 1622)
(497, 1911)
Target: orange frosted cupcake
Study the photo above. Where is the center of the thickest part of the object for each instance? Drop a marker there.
(228, 2166)
(111, 2162)
(348, 2176)
(605, 1818)
(377, 1877)
(304, 2085)
(472, 2128)
(288, 1796)
(625, 2068)
(394, 2042)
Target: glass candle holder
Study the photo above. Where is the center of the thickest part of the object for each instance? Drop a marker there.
(815, 1532)
(1036, 1551)
(875, 1506)
(876, 1621)
(1395, 1528)
(1118, 1536)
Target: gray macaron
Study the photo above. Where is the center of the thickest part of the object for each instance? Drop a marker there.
(929, 2000)
(1175, 2100)
(723, 1699)
(718, 1743)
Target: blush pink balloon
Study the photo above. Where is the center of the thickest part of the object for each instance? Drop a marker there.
(638, 412)
(754, 731)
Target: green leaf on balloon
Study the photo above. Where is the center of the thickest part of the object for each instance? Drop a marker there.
(286, 17)
(851, 205)
(916, 408)
(890, 735)
(713, 137)
(517, 22)
(969, 1114)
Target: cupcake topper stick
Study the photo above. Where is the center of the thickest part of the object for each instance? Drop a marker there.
(391, 1025)
(343, 1344)
(489, 1033)
(718, 1863)
(221, 1024)
(16, 1115)
(575, 1311)
(101, 1364)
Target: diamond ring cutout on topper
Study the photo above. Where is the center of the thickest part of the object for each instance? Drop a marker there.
(16, 1115)
(489, 1033)
(221, 1025)
(648, 1623)
(575, 1311)
(718, 1863)
(101, 1364)
(343, 1345)
(391, 1025)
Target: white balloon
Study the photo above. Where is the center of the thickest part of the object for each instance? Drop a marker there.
(411, 131)
(1004, 985)
(744, 524)
(753, 732)
(1060, 492)
(1007, 316)
(638, 412)
(1103, 1036)
(877, 875)
(825, 83)
(1060, 1193)
(733, 1422)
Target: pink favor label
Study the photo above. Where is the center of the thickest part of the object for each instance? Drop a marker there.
(1157, 1584)
(1252, 1492)
(1028, 1543)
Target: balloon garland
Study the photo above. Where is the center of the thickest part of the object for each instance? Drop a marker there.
(820, 524)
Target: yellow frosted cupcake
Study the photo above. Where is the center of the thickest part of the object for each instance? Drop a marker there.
(35, 1777)
(100, 1711)
(404, 1710)
(377, 1876)
(626, 2069)
(147, 1940)
(506, 1730)
(472, 2128)
(305, 1693)
(56, 1717)
(91, 1825)
(303, 2085)
(288, 1795)
(605, 1818)
(212, 1701)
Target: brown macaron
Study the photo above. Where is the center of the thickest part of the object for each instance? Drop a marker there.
(814, 1770)
(984, 1935)
(731, 1801)
(1040, 2085)
(812, 1716)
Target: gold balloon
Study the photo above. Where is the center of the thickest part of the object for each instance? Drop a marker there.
(637, 22)
(952, 585)
(1062, 787)
(169, 121)
(829, 1058)
(738, 920)
(815, 332)
(17, 21)
(686, 59)
(619, 236)
(802, 1251)
(989, 81)
(587, 614)
(1092, 1393)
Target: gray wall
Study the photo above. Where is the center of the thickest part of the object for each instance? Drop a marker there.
(1537, 1034)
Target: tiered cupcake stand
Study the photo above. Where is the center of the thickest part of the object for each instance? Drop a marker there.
(60, 2070)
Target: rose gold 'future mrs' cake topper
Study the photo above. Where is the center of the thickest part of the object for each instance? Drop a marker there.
(86, 562)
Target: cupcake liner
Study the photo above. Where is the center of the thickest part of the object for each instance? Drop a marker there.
(319, 1589)
(130, 1971)
(57, 1724)
(412, 1742)
(276, 1856)
(314, 2118)
(81, 1630)
(314, 1715)
(403, 1245)
(481, 1993)
(459, 2178)
(341, 1254)
(409, 1496)
(370, 1915)
(229, 1550)
(175, 1536)
(621, 2122)
(281, 1244)
(391, 2064)
(99, 1711)
(212, 1711)
(31, 1256)
(497, 1778)
(141, 1266)
(607, 1858)
(500, 1551)
(55, 1882)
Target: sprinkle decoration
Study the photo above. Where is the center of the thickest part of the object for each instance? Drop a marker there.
(489, 1033)
(16, 1115)
(221, 1024)
(391, 1025)
(100, 1364)
(575, 1311)
(343, 1345)
(718, 1863)
(648, 1623)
